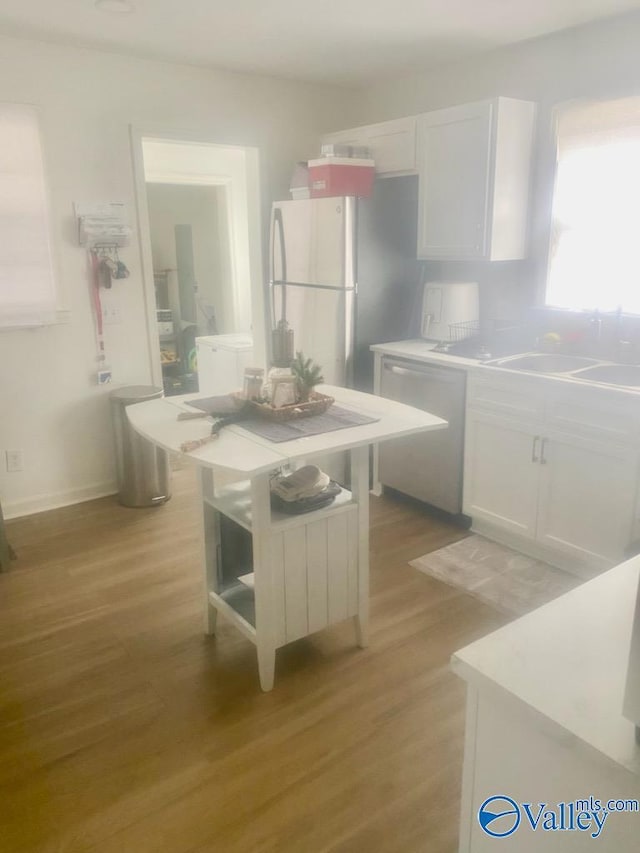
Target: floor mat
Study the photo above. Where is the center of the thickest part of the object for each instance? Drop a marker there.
(497, 575)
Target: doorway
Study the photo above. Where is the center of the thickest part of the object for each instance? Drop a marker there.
(192, 273)
(199, 211)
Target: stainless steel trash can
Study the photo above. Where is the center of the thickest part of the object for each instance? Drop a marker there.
(142, 468)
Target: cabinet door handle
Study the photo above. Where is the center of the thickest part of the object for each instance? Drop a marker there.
(543, 460)
(534, 447)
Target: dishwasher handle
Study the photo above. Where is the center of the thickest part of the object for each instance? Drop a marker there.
(439, 374)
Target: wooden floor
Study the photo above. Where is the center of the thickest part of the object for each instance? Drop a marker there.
(124, 730)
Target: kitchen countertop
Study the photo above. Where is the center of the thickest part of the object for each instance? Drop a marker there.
(568, 662)
(421, 350)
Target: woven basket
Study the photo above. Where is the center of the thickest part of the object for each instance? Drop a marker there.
(316, 405)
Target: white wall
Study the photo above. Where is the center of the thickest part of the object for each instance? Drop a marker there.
(51, 408)
(601, 59)
(598, 59)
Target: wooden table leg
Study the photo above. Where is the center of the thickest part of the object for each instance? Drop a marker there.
(209, 536)
(262, 556)
(266, 665)
(360, 491)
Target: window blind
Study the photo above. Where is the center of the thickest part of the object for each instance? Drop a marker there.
(581, 123)
(27, 286)
(595, 259)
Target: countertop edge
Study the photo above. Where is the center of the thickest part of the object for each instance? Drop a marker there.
(519, 664)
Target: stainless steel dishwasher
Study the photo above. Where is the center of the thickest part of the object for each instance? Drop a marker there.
(426, 466)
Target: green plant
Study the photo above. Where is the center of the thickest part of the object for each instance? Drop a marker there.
(307, 375)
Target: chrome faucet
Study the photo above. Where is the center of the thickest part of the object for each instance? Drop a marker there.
(624, 341)
(615, 345)
(595, 323)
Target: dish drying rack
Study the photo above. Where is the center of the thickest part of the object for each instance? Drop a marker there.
(462, 331)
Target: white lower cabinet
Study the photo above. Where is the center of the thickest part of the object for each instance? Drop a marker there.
(513, 751)
(546, 728)
(500, 482)
(586, 497)
(279, 577)
(570, 494)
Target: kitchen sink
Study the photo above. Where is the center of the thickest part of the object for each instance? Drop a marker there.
(612, 374)
(545, 363)
(572, 367)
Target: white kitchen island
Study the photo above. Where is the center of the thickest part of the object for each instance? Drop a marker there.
(280, 577)
(545, 723)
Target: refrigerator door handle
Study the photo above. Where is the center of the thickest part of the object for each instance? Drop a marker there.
(281, 283)
(278, 225)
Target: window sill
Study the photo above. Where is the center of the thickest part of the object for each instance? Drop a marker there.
(63, 316)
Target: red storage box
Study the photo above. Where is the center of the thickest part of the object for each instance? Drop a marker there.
(332, 176)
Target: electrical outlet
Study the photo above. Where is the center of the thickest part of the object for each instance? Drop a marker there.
(13, 460)
(111, 315)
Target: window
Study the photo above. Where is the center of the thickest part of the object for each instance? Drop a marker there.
(27, 287)
(595, 240)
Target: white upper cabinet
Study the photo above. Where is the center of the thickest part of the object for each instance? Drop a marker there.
(474, 163)
(392, 144)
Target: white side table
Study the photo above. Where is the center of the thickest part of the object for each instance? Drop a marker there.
(279, 577)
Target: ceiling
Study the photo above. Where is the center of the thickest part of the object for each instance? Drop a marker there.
(336, 41)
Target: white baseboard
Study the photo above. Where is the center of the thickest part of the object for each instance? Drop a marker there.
(42, 503)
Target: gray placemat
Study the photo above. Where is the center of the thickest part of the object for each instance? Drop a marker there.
(335, 418)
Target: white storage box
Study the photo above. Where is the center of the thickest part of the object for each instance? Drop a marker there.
(222, 360)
